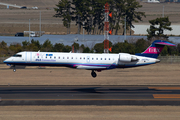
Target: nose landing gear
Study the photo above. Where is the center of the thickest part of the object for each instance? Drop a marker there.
(14, 69)
(93, 74)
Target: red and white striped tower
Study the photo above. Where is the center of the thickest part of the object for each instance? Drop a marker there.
(106, 29)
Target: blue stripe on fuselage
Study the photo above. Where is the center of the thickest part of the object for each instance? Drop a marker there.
(73, 65)
(55, 64)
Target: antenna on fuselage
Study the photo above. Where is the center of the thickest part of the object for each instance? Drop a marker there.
(39, 51)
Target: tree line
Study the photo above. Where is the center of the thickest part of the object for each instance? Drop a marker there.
(90, 14)
(126, 47)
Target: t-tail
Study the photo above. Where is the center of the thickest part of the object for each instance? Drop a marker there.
(155, 49)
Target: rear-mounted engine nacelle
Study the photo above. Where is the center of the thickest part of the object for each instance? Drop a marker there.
(123, 57)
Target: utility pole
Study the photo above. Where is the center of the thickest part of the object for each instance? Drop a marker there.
(29, 29)
(69, 21)
(83, 30)
(125, 28)
(69, 27)
(163, 11)
(79, 25)
(40, 25)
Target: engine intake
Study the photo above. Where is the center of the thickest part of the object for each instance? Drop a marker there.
(127, 58)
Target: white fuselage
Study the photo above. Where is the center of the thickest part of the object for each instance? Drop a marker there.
(79, 60)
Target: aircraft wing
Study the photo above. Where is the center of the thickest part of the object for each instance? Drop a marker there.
(90, 67)
(112, 66)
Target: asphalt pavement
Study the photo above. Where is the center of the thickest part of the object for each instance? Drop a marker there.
(89, 95)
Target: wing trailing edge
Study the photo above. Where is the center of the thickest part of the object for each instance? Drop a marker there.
(91, 67)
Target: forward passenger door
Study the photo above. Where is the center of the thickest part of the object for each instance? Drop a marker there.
(28, 57)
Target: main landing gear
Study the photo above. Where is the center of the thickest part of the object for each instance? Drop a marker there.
(93, 74)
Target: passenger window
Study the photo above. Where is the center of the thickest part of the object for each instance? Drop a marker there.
(50, 57)
(63, 57)
(46, 56)
(54, 57)
(67, 57)
(71, 57)
(84, 58)
(59, 57)
(38, 56)
(96, 58)
(80, 57)
(101, 58)
(104, 58)
(109, 59)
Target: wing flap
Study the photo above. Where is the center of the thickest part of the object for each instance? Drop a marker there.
(90, 67)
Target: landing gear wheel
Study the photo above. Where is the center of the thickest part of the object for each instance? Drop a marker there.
(93, 74)
(14, 70)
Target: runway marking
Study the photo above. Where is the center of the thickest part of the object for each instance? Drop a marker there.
(166, 95)
(165, 88)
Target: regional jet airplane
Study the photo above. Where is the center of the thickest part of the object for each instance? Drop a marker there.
(89, 61)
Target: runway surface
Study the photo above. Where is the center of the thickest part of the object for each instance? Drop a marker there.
(89, 95)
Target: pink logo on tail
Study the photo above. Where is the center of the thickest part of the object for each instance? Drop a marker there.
(154, 50)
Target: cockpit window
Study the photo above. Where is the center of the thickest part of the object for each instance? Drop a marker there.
(17, 55)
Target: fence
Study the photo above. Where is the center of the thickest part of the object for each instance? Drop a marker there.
(169, 59)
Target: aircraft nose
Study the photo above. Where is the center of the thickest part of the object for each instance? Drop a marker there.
(6, 60)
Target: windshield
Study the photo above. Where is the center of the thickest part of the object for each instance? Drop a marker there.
(17, 55)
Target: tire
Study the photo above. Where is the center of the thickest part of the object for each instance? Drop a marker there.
(93, 74)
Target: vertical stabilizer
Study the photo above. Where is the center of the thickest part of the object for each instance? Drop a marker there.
(155, 49)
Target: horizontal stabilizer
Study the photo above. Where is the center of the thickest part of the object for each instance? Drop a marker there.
(165, 43)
